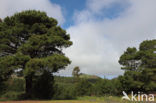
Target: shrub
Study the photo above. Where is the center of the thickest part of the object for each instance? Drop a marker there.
(83, 88)
(107, 87)
(11, 95)
(64, 92)
(16, 84)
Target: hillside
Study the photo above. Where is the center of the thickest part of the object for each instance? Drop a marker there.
(70, 80)
(87, 76)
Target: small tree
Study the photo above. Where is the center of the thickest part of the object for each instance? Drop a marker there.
(75, 72)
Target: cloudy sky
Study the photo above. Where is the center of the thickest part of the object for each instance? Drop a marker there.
(100, 29)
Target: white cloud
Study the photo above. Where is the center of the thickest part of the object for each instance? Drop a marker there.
(9, 7)
(97, 45)
(96, 6)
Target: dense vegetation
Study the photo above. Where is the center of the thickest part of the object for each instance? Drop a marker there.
(140, 67)
(65, 88)
(31, 52)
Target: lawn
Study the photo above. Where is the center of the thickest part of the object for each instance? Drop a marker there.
(64, 101)
(109, 99)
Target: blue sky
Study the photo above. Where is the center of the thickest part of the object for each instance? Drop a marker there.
(69, 7)
(101, 30)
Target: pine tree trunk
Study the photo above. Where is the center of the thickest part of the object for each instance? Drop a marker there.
(28, 90)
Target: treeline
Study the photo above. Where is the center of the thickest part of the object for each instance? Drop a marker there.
(64, 88)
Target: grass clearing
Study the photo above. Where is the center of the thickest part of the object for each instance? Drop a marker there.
(86, 99)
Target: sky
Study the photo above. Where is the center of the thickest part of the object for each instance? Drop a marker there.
(101, 30)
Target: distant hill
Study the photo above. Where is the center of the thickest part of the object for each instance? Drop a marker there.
(71, 80)
(87, 76)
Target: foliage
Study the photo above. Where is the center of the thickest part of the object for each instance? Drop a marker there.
(107, 87)
(61, 79)
(63, 92)
(32, 42)
(12, 95)
(87, 76)
(83, 88)
(140, 67)
(75, 72)
(15, 84)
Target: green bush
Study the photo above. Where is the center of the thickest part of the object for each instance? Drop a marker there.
(11, 95)
(16, 84)
(83, 88)
(2, 88)
(107, 87)
(64, 92)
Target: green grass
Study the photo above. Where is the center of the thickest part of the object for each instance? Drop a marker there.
(85, 99)
(105, 99)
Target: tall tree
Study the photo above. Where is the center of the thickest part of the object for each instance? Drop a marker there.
(140, 66)
(147, 52)
(32, 42)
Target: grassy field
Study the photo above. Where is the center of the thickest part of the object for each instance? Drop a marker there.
(71, 101)
(64, 101)
(109, 99)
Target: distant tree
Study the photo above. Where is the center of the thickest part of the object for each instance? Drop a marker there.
(31, 42)
(76, 71)
(140, 66)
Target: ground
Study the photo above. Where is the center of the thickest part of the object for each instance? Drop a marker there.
(87, 99)
(63, 101)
